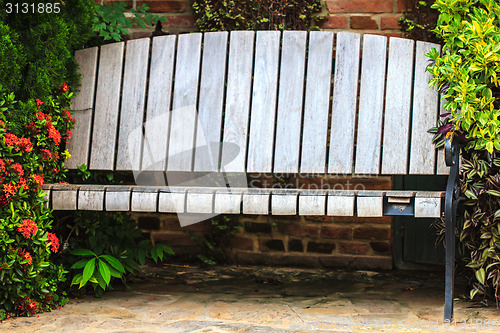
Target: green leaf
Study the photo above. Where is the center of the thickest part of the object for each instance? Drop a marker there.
(88, 271)
(154, 254)
(114, 263)
(79, 264)
(473, 293)
(83, 252)
(104, 270)
(480, 275)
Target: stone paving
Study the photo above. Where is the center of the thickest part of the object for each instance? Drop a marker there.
(267, 299)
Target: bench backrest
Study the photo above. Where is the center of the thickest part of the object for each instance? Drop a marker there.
(288, 100)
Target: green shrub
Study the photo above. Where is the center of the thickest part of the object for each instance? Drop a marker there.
(12, 59)
(32, 136)
(215, 15)
(467, 75)
(47, 41)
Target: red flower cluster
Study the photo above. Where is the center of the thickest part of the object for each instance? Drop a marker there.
(54, 133)
(69, 116)
(38, 103)
(46, 154)
(27, 305)
(53, 241)
(64, 88)
(28, 228)
(37, 179)
(25, 255)
(23, 144)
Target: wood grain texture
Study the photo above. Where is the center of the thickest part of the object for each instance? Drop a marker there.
(427, 207)
(290, 102)
(172, 201)
(256, 203)
(425, 110)
(370, 206)
(64, 200)
(264, 96)
(144, 201)
(312, 204)
(238, 91)
(83, 108)
(284, 204)
(157, 126)
(317, 102)
(91, 200)
(340, 205)
(213, 73)
(183, 123)
(132, 105)
(117, 201)
(371, 105)
(102, 155)
(345, 95)
(397, 107)
(201, 202)
(227, 202)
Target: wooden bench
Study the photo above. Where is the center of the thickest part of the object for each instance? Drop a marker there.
(226, 104)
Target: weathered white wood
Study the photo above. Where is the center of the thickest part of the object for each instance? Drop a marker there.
(200, 201)
(261, 141)
(213, 71)
(238, 100)
(102, 154)
(340, 205)
(284, 203)
(91, 200)
(290, 100)
(317, 102)
(183, 123)
(228, 201)
(345, 95)
(132, 106)
(441, 168)
(397, 107)
(425, 110)
(427, 207)
(312, 204)
(83, 108)
(157, 126)
(144, 200)
(117, 199)
(256, 202)
(370, 206)
(64, 200)
(371, 105)
(172, 201)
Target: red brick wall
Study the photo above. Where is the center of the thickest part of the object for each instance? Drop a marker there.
(365, 16)
(311, 241)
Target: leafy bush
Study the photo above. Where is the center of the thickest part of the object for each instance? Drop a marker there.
(215, 15)
(31, 153)
(110, 21)
(419, 20)
(100, 246)
(44, 47)
(466, 74)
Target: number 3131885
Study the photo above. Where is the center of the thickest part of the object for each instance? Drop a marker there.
(32, 8)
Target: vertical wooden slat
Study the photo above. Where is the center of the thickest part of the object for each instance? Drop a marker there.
(238, 99)
(102, 154)
(261, 140)
(317, 101)
(132, 107)
(213, 71)
(345, 94)
(397, 107)
(156, 128)
(182, 128)
(82, 108)
(425, 108)
(290, 100)
(371, 104)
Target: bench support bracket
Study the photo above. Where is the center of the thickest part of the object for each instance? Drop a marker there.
(452, 156)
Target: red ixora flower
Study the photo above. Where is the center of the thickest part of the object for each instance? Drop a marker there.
(46, 154)
(38, 179)
(27, 305)
(28, 228)
(25, 255)
(9, 190)
(18, 168)
(53, 241)
(53, 133)
(63, 88)
(38, 103)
